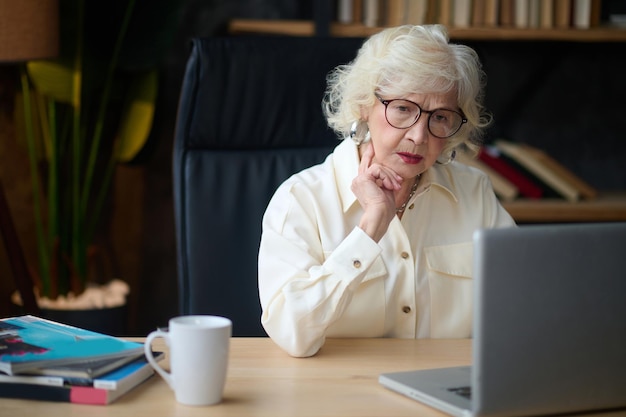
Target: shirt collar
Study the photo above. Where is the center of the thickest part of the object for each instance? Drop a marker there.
(346, 165)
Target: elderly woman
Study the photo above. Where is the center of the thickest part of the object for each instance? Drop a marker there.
(377, 240)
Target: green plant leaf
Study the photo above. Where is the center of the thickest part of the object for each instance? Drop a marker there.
(137, 117)
(54, 80)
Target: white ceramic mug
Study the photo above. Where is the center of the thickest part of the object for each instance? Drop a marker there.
(198, 352)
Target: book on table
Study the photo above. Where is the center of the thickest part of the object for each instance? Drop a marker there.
(87, 369)
(98, 391)
(29, 343)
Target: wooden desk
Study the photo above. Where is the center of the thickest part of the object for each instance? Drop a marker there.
(342, 380)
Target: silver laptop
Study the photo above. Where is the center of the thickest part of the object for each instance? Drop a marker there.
(549, 326)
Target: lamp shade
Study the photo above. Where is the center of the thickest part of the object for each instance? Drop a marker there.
(29, 29)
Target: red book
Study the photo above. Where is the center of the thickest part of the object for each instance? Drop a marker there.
(526, 187)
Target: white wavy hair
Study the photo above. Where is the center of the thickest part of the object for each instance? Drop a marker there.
(408, 60)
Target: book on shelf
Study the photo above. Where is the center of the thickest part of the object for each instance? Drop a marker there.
(562, 13)
(462, 13)
(534, 14)
(504, 189)
(492, 13)
(546, 15)
(546, 190)
(416, 12)
(345, 11)
(357, 11)
(586, 13)
(395, 12)
(494, 159)
(596, 13)
(478, 13)
(432, 12)
(529, 160)
(445, 12)
(521, 13)
(581, 14)
(507, 13)
(585, 190)
(371, 13)
(29, 342)
(99, 391)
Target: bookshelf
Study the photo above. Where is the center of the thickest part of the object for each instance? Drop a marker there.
(606, 207)
(307, 28)
(482, 20)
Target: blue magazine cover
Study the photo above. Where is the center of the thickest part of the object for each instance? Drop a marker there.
(28, 342)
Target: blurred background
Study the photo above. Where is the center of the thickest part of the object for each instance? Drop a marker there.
(582, 85)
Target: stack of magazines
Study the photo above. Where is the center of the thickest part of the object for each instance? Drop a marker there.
(44, 360)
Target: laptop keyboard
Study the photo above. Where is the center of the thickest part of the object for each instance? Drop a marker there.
(462, 391)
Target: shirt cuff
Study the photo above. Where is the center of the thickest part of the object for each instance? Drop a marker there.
(355, 255)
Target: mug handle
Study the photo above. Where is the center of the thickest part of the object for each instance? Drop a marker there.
(147, 347)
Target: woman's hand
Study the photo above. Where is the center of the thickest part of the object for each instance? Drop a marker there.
(374, 187)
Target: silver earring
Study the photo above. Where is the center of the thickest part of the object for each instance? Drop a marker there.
(356, 133)
(353, 132)
(450, 158)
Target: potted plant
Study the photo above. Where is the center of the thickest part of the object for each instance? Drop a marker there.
(84, 113)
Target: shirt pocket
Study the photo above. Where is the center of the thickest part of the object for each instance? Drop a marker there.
(449, 270)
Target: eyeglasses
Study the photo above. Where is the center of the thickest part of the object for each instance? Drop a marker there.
(402, 114)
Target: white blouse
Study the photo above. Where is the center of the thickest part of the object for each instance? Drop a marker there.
(321, 276)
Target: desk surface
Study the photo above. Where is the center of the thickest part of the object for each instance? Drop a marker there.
(341, 380)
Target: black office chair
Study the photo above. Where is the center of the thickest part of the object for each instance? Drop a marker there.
(249, 116)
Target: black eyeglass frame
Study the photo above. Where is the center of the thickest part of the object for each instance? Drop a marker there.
(428, 112)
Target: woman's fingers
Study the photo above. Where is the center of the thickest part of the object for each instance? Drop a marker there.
(384, 177)
(381, 175)
(367, 156)
(374, 187)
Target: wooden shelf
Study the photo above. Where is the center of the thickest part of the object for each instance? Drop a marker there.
(307, 28)
(605, 208)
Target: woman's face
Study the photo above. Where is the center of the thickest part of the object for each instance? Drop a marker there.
(411, 151)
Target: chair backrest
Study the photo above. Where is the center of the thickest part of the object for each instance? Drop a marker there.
(249, 116)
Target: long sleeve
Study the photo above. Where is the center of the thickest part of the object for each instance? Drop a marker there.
(303, 289)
